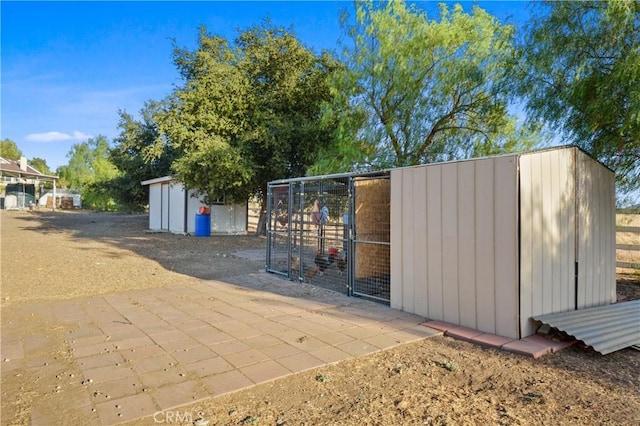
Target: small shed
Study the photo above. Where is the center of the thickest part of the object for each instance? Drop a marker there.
(173, 208)
(486, 243)
(490, 243)
(64, 199)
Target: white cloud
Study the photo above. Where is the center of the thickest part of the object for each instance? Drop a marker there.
(56, 136)
(80, 136)
(47, 137)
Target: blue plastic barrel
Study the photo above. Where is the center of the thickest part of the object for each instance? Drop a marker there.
(203, 225)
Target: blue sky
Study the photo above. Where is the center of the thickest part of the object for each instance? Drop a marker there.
(68, 67)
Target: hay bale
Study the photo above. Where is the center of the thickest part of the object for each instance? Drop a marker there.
(373, 223)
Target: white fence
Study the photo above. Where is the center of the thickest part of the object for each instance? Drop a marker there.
(628, 242)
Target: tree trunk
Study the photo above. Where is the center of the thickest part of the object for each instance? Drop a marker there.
(261, 229)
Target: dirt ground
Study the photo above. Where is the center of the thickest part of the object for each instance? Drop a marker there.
(48, 257)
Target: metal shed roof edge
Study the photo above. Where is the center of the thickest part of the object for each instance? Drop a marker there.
(605, 328)
(387, 171)
(156, 180)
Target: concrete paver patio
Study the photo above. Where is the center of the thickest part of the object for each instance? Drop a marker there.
(145, 351)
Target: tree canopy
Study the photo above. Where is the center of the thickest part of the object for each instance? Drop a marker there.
(248, 112)
(9, 150)
(290, 85)
(40, 164)
(204, 118)
(415, 90)
(140, 153)
(409, 89)
(581, 75)
(89, 171)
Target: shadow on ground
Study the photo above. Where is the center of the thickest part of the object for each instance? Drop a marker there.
(200, 257)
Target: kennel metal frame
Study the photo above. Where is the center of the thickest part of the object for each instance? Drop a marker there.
(292, 235)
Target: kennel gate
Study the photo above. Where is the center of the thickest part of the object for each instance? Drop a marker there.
(371, 237)
(332, 232)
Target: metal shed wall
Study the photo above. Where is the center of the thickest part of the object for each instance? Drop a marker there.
(176, 204)
(168, 205)
(547, 234)
(193, 204)
(155, 203)
(596, 228)
(454, 243)
(567, 217)
(229, 218)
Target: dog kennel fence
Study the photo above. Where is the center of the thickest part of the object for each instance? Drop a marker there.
(332, 232)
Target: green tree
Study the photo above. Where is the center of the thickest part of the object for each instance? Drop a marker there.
(581, 75)
(289, 86)
(416, 90)
(205, 119)
(139, 153)
(249, 112)
(89, 171)
(9, 150)
(40, 164)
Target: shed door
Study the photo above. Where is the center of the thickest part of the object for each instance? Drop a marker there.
(307, 232)
(155, 207)
(547, 235)
(279, 250)
(164, 207)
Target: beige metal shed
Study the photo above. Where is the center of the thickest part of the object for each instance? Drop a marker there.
(490, 243)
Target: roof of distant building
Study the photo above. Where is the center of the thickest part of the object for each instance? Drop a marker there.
(20, 168)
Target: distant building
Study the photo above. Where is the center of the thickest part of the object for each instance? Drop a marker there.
(21, 185)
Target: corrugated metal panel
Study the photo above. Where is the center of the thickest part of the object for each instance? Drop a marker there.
(605, 328)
